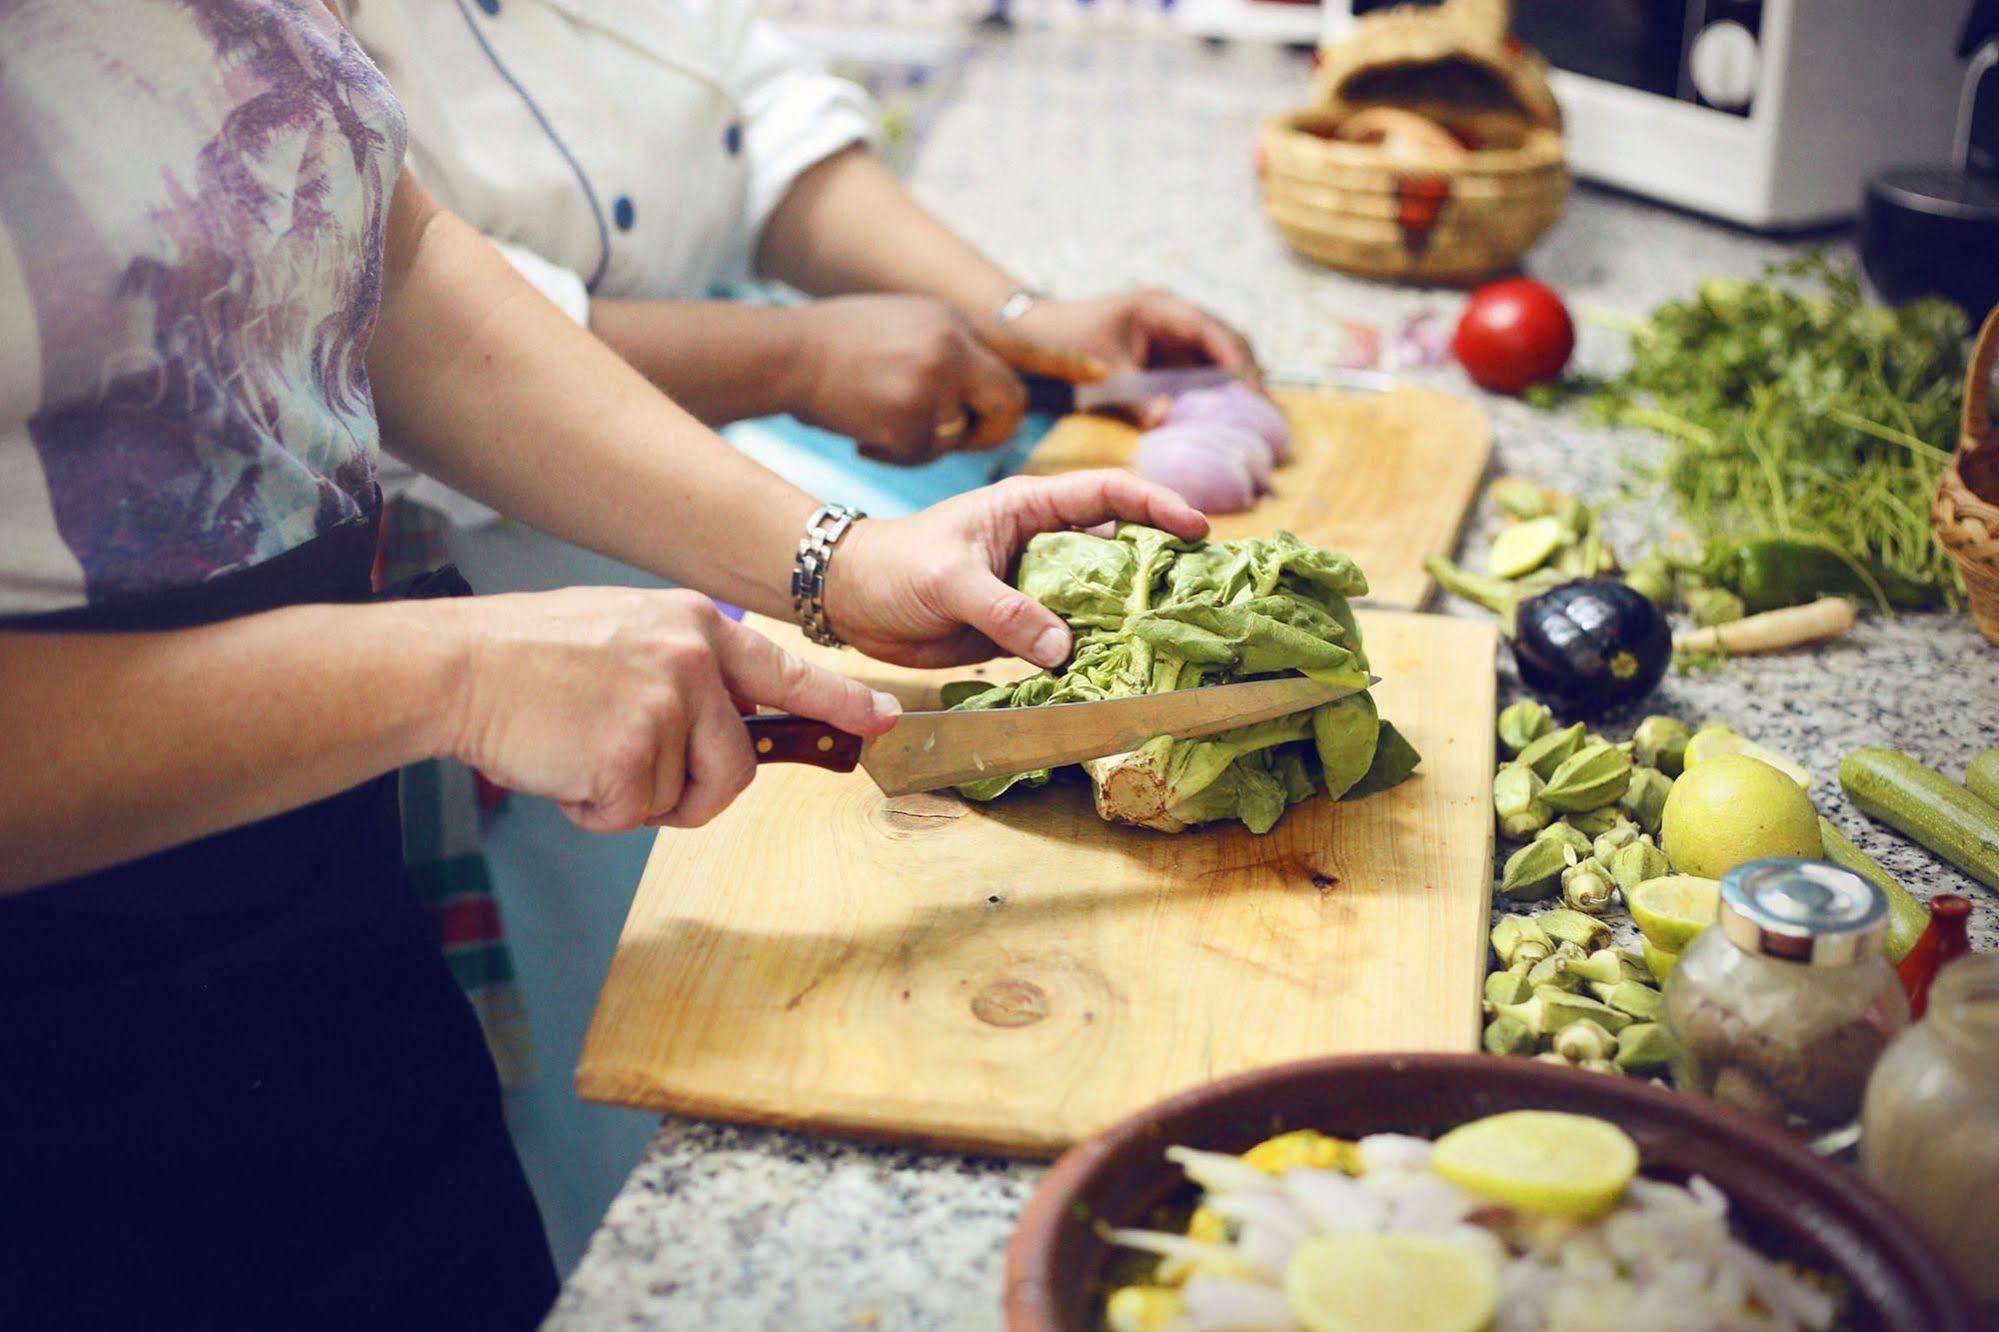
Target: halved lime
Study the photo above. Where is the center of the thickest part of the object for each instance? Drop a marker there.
(1540, 1161)
(1360, 1282)
(1658, 961)
(1714, 741)
(1521, 548)
(1672, 909)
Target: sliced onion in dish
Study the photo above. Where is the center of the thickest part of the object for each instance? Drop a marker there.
(1213, 477)
(1239, 405)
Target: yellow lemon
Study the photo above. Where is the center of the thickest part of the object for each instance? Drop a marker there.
(1671, 910)
(1733, 808)
(1713, 741)
(1540, 1161)
(1363, 1282)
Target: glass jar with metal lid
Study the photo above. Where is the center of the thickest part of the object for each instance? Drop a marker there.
(1782, 1007)
(1930, 1126)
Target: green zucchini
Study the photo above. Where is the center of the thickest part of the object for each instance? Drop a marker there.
(1908, 917)
(1923, 804)
(1983, 777)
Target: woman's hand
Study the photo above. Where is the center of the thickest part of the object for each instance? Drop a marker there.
(616, 702)
(903, 377)
(930, 589)
(1139, 329)
(908, 379)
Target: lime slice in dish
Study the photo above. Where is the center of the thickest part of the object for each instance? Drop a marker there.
(1540, 1161)
(1672, 909)
(1714, 741)
(1363, 1282)
(1658, 961)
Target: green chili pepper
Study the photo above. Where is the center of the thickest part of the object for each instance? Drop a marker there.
(1769, 572)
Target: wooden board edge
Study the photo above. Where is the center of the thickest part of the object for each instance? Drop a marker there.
(1466, 483)
(859, 1122)
(1488, 750)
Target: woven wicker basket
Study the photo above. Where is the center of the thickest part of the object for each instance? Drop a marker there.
(1359, 208)
(1965, 512)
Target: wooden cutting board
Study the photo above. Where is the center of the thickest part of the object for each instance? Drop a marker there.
(1017, 975)
(1385, 477)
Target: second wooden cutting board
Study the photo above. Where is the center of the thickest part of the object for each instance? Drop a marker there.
(1384, 477)
(1015, 976)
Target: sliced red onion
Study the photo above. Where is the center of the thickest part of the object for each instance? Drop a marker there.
(1236, 404)
(1256, 454)
(1186, 459)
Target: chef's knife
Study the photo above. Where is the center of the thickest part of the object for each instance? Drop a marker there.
(1127, 390)
(928, 750)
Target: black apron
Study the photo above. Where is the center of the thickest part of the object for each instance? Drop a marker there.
(238, 1086)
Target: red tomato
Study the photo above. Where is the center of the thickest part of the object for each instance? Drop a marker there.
(1512, 334)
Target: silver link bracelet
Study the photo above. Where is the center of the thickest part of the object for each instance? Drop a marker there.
(808, 574)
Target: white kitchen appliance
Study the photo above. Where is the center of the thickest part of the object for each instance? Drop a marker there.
(1769, 113)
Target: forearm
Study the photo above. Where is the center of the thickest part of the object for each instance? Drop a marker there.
(123, 744)
(482, 383)
(848, 225)
(721, 361)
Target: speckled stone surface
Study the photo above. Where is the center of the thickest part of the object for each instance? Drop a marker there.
(1089, 163)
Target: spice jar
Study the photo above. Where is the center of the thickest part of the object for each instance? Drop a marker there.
(1782, 1007)
(1930, 1127)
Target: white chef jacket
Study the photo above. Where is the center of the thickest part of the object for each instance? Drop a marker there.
(619, 148)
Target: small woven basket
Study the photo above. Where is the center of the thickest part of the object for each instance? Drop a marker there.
(1359, 208)
(1965, 512)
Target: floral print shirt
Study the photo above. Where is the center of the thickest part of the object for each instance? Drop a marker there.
(192, 202)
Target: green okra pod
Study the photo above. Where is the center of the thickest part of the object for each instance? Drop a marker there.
(1644, 799)
(1534, 871)
(1594, 776)
(1588, 888)
(1522, 723)
(1637, 861)
(1506, 1035)
(1517, 802)
(1573, 927)
(1518, 939)
(1507, 987)
(1549, 751)
(1661, 742)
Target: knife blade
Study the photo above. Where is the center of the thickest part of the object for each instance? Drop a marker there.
(1125, 389)
(928, 750)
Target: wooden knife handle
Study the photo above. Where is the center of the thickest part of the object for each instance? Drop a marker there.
(780, 738)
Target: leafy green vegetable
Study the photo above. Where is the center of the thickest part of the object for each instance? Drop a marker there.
(1813, 416)
(1153, 614)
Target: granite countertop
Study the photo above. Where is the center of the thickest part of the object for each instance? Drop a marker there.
(1093, 162)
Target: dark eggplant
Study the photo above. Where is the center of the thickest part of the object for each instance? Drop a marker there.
(1588, 646)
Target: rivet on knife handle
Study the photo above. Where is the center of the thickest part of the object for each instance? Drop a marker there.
(781, 738)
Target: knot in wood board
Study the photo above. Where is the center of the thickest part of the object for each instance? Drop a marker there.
(1010, 1002)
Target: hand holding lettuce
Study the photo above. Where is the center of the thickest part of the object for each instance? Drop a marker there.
(1152, 614)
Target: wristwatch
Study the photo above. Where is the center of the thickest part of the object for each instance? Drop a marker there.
(808, 572)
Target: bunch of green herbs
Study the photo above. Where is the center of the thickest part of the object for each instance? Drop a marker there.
(1796, 409)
